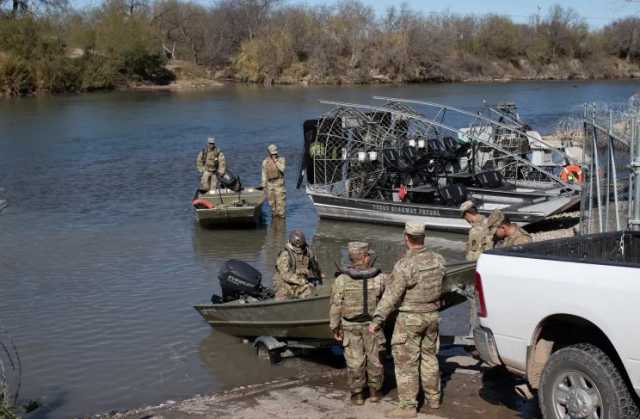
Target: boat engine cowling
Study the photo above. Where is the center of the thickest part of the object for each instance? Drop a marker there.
(229, 181)
(239, 280)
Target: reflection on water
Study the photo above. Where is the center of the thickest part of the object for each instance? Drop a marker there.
(101, 260)
(212, 246)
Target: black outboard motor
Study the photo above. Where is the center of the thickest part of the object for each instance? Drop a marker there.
(240, 280)
(229, 181)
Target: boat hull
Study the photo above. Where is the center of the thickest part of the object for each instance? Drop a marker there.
(435, 217)
(306, 318)
(300, 319)
(231, 208)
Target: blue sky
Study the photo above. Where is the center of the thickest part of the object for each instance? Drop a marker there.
(596, 12)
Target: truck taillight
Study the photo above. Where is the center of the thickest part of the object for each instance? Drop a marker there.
(480, 303)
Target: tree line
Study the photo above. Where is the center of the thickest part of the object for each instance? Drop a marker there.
(47, 46)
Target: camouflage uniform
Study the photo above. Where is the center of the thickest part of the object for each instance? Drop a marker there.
(294, 268)
(479, 239)
(415, 289)
(354, 296)
(519, 237)
(273, 168)
(211, 163)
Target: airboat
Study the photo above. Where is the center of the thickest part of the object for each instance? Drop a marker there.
(408, 160)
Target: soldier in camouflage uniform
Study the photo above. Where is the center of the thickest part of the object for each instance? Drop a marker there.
(273, 167)
(480, 238)
(211, 164)
(296, 269)
(510, 234)
(354, 296)
(415, 290)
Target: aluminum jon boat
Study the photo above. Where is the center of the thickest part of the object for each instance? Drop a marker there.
(307, 318)
(228, 208)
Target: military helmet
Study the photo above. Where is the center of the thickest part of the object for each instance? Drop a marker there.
(297, 239)
(272, 149)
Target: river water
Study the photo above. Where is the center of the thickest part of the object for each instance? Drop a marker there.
(100, 258)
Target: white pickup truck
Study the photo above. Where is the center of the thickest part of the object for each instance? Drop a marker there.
(565, 314)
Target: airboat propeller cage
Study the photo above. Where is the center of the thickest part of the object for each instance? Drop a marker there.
(353, 145)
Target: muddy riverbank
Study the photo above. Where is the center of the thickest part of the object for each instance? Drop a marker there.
(471, 390)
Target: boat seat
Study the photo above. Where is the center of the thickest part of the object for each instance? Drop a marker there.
(491, 179)
(453, 195)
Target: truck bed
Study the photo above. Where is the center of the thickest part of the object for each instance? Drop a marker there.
(616, 248)
(560, 289)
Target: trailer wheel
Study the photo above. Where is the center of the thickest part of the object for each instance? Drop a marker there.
(264, 353)
(581, 381)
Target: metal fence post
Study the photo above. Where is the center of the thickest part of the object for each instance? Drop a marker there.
(634, 223)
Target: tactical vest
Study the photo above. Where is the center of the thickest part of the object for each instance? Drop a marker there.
(301, 263)
(272, 171)
(362, 291)
(210, 159)
(424, 288)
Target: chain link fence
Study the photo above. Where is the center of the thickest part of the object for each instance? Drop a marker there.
(610, 135)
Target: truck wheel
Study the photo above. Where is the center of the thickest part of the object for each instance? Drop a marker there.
(580, 381)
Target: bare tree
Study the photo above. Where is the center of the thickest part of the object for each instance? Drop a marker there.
(623, 37)
(23, 6)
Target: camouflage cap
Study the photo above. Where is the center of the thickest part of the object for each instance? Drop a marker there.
(414, 229)
(467, 205)
(211, 140)
(495, 218)
(358, 249)
(272, 149)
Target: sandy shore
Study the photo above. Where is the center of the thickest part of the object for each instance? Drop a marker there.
(471, 390)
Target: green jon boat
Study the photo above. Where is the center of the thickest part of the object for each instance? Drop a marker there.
(307, 318)
(226, 207)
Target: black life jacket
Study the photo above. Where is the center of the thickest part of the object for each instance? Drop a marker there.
(361, 275)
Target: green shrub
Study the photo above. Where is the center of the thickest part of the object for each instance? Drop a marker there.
(58, 75)
(16, 78)
(141, 65)
(99, 73)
